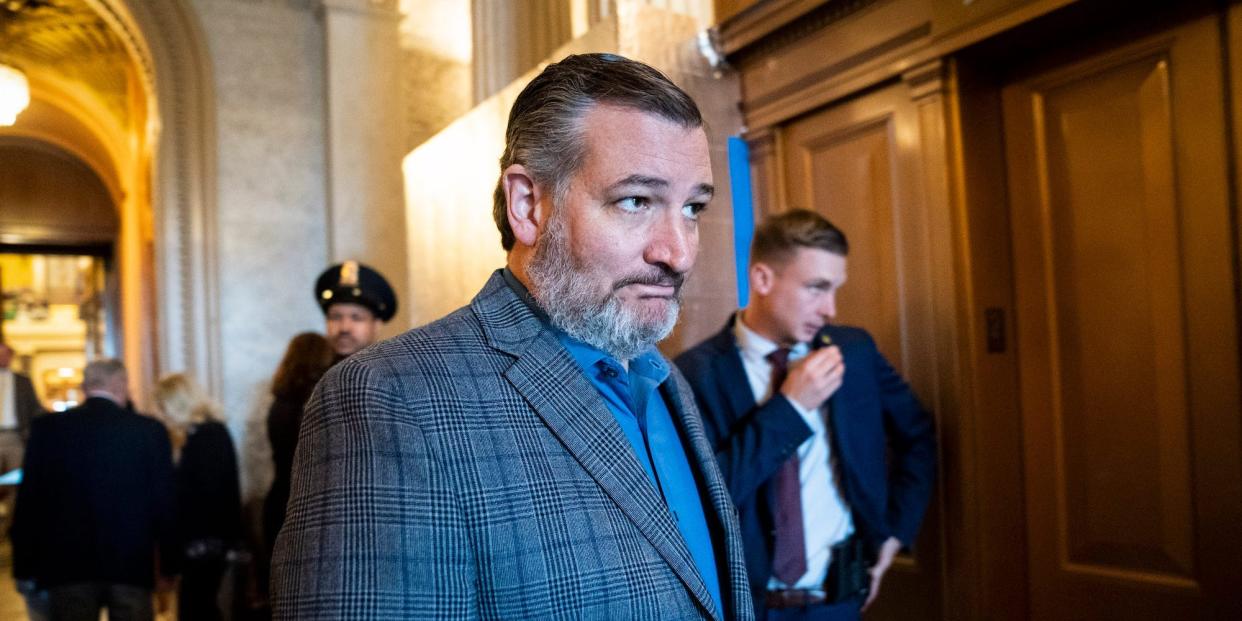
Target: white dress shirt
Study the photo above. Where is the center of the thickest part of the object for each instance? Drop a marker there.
(825, 517)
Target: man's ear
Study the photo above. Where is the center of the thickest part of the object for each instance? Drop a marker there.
(762, 278)
(523, 204)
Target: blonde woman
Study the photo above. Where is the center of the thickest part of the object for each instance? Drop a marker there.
(208, 494)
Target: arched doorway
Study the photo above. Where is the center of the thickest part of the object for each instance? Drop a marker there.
(120, 102)
(124, 87)
(58, 293)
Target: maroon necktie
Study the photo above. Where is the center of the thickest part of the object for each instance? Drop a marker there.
(789, 553)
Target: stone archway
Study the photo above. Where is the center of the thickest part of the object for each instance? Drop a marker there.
(167, 43)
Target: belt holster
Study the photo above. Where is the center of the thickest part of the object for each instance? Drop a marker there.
(848, 573)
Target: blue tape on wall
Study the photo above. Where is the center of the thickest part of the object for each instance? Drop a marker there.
(743, 213)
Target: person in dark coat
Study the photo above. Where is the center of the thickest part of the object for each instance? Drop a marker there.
(306, 359)
(96, 504)
(207, 491)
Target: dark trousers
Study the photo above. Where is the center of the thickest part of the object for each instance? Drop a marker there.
(197, 600)
(848, 610)
(84, 600)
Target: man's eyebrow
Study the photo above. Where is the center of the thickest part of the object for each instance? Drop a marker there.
(657, 183)
(639, 180)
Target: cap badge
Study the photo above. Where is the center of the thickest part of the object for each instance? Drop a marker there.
(349, 274)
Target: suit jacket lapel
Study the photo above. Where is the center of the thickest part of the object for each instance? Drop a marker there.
(702, 457)
(736, 385)
(727, 366)
(553, 385)
(839, 416)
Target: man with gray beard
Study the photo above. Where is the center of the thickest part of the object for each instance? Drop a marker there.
(532, 455)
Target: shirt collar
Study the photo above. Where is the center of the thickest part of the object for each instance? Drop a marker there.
(756, 347)
(585, 355)
(524, 294)
(103, 394)
(649, 364)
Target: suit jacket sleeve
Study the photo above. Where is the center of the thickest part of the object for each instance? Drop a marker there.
(373, 529)
(208, 494)
(912, 440)
(164, 500)
(231, 493)
(32, 503)
(752, 445)
(27, 403)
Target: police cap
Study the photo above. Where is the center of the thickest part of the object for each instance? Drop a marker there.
(356, 283)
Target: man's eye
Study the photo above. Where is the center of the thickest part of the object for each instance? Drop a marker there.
(692, 210)
(633, 203)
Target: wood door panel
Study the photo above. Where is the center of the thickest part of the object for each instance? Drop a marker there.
(847, 176)
(1112, 218)
(1104, 167)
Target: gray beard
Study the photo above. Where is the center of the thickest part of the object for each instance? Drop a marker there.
(559, 284)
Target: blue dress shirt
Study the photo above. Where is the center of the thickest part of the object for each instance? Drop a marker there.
(653, 435)
(633, 398)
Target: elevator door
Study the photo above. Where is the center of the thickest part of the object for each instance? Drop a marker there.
(1125, 280)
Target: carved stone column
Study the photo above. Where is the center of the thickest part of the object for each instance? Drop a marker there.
(366, 210)
(511, 37)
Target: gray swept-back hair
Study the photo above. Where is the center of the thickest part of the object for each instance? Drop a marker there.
(99, 373)
(545, 132)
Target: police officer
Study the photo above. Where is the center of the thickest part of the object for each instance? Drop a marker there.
(356, 300)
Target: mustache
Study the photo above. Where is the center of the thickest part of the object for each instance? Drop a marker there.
(665, 276)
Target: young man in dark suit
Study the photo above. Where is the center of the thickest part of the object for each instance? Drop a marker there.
(96, 504)
(802, 414)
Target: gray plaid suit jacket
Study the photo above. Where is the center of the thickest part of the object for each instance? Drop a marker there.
(467, 469)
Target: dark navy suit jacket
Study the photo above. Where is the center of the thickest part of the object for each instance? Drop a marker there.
(874, 412)
(96, 499)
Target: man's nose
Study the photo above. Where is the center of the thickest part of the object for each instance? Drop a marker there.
(828, 306)
(674, 242)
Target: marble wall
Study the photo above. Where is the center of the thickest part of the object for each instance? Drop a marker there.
(437, 92)
(267, 66)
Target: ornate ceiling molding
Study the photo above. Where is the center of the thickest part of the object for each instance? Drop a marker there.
(70, 41)
(783, 23)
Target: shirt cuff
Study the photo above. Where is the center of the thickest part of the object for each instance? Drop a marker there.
(807, 415)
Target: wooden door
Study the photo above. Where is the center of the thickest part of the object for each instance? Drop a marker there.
(858, 163)
(1127, 331)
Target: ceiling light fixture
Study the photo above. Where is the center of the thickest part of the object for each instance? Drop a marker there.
(14, 94)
